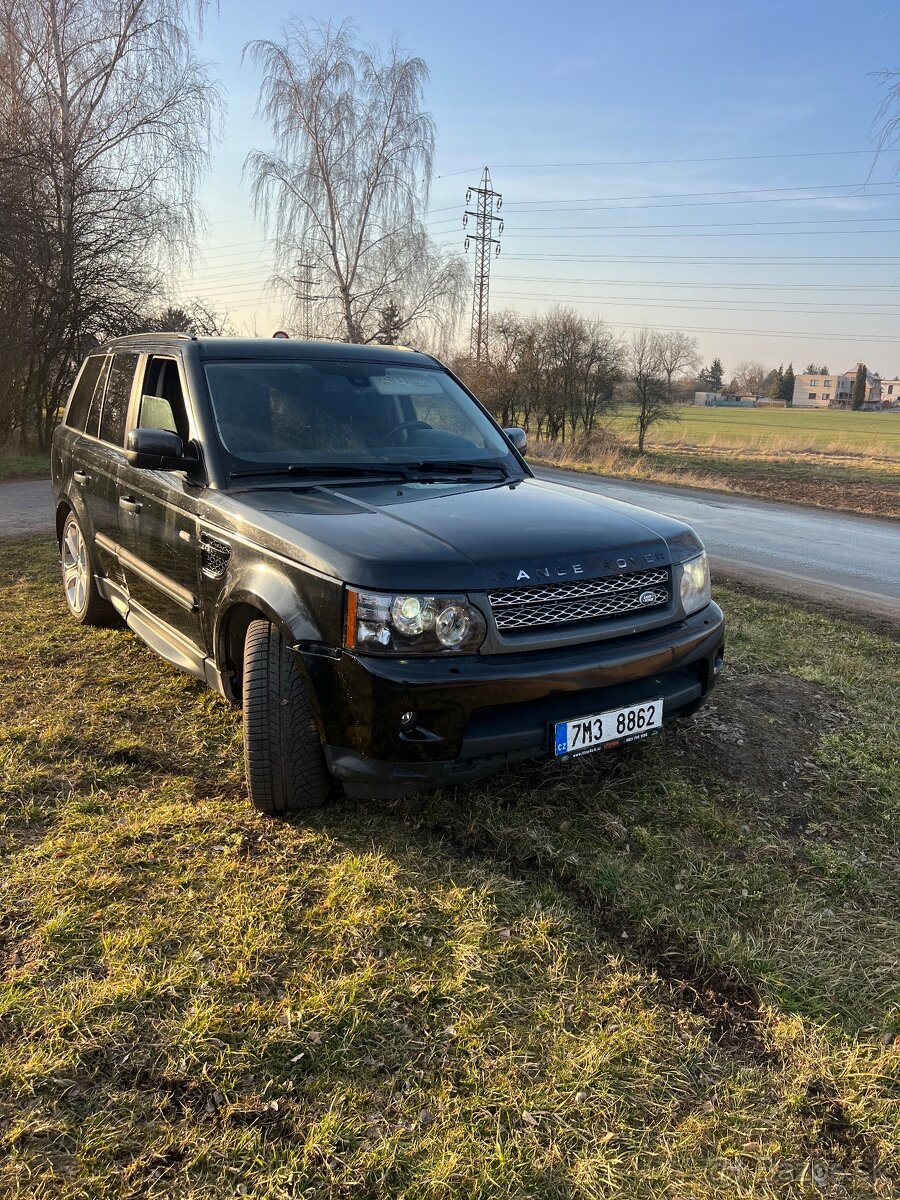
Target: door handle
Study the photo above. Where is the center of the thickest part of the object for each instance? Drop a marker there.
(81, 477)
(129, 504)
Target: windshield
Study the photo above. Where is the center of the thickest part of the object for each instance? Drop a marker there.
(280, 413)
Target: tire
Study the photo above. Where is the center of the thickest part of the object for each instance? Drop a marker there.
(286, 769)
(83, 599)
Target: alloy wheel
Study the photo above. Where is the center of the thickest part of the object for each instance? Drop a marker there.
(75, 567)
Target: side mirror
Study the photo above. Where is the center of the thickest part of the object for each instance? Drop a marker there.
(518, 437)
(157, 450)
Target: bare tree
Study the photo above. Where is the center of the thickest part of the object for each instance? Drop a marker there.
(886, 123)
(647, 379)
(191, 316)
(583, 366)
(679, 352)
(349, 179)
(750, 378)
(113, 116)
(551, 373)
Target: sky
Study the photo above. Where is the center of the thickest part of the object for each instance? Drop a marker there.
(703, 166)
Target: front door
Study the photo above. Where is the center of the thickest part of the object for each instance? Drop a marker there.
(158, 513)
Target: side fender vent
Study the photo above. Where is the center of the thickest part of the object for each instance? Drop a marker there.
(214, 556)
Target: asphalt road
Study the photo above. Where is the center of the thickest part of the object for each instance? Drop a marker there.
(844, 560)
(836, 558)
(26, 508)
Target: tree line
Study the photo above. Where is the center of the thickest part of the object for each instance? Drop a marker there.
(560, 373)
(107, 119)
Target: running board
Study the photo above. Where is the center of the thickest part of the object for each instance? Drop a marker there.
(160, 637)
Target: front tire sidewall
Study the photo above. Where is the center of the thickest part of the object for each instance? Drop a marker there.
(286, 769)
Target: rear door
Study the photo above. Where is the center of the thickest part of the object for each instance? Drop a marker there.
(101, 456)
(158, 509)
(67, 438)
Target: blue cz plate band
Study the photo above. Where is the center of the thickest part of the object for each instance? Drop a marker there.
(592, 732)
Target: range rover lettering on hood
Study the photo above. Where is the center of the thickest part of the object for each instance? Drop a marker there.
(588, 566)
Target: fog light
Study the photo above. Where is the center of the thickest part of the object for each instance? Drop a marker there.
(408, 721)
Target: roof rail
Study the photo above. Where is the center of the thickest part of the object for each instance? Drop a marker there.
(129, 337)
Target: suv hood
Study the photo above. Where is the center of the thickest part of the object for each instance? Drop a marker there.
(458, 536)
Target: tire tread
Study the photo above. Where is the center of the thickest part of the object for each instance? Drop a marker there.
(285, 766)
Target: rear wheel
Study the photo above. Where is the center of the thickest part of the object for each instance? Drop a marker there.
(83, 597)
(286, 769)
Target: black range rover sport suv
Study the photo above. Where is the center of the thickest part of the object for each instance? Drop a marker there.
(340, 539)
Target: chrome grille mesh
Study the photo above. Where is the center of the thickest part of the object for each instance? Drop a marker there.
(580, 600)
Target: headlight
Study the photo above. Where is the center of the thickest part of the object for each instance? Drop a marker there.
(695, 590)
(407, 624)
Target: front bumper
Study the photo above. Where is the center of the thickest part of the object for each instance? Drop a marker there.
(476, 713)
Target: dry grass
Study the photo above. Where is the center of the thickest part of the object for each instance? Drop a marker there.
(670, 973)
(849, 484)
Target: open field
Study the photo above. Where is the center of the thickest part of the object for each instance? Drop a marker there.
(841, 460)
(669, 973)
(780, 431)
(862, 486)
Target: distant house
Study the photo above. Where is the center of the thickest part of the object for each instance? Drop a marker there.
(890, 393)
(834, 391)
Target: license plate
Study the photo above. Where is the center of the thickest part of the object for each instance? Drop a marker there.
(607, 728)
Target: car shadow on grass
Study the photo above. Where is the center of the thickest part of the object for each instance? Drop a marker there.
(719, 856)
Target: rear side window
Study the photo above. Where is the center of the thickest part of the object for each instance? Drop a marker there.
(76, 417)
(115, 404)
(92, 424)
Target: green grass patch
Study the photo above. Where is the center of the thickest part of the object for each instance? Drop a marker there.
(671, 972)
(24, 466)
(780, 430)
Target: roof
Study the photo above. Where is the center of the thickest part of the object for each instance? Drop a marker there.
(272, 348)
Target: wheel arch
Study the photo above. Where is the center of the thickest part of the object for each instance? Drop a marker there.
(282, 606)
(75, 505)
(63, 508)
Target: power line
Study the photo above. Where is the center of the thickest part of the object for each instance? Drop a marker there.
(251, 279)
(720, 224)
(685, 283)
(655, 162)
(760, 306)
(484, 239)
(696, 204)
(730, 331)
(710, 260)
(632, 231)
(878, 339)
(520, 205)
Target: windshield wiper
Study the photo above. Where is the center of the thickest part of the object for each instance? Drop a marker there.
(325, 471)
(452, 467)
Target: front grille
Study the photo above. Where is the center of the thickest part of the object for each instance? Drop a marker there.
(214, 556)
(580, 600)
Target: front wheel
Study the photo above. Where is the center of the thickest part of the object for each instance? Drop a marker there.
(83, 597)
(286, 769)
